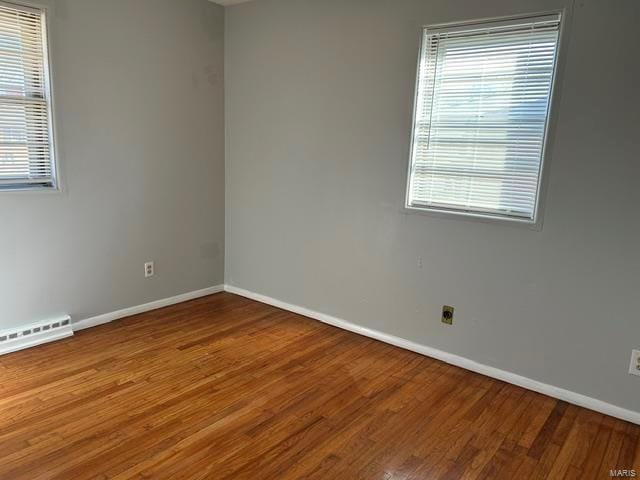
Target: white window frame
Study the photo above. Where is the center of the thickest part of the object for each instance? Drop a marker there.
(549, 135)
(55, 185)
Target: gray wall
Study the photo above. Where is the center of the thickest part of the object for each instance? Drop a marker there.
(139, 114)
(319, 102)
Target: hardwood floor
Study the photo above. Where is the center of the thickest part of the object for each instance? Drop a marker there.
(226, 388)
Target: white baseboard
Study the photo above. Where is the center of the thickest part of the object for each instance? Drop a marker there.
(462, 362)
(128, 312)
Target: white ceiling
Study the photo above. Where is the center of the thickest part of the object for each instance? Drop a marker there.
(229, 2)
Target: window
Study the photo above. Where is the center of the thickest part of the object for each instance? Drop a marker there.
(26, 149)
(481, 115)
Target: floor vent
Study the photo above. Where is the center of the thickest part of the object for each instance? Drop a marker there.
(19, 338)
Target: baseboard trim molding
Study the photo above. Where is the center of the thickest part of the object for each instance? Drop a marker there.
(147, 307)
(462, 362)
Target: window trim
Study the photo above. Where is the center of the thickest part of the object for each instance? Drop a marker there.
(536, 222)
(55, 186)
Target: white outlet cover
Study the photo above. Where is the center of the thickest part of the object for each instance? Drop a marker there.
(634, 366)
(149, 269)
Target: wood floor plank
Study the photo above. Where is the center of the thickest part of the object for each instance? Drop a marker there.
(227, 388)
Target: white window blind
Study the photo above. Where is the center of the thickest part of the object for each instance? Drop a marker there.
(481, 117)
(26, 150)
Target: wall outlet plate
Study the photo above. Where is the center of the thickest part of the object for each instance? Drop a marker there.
(447, 315)
(634, 366)
(149, 269)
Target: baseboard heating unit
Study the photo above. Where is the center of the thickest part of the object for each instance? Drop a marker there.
(26, 336)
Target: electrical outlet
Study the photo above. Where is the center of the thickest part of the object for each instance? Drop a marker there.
(634, 367)
(447, 315)
(149, 270)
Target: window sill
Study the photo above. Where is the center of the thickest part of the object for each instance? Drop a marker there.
(31, 189)
(534, 225)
